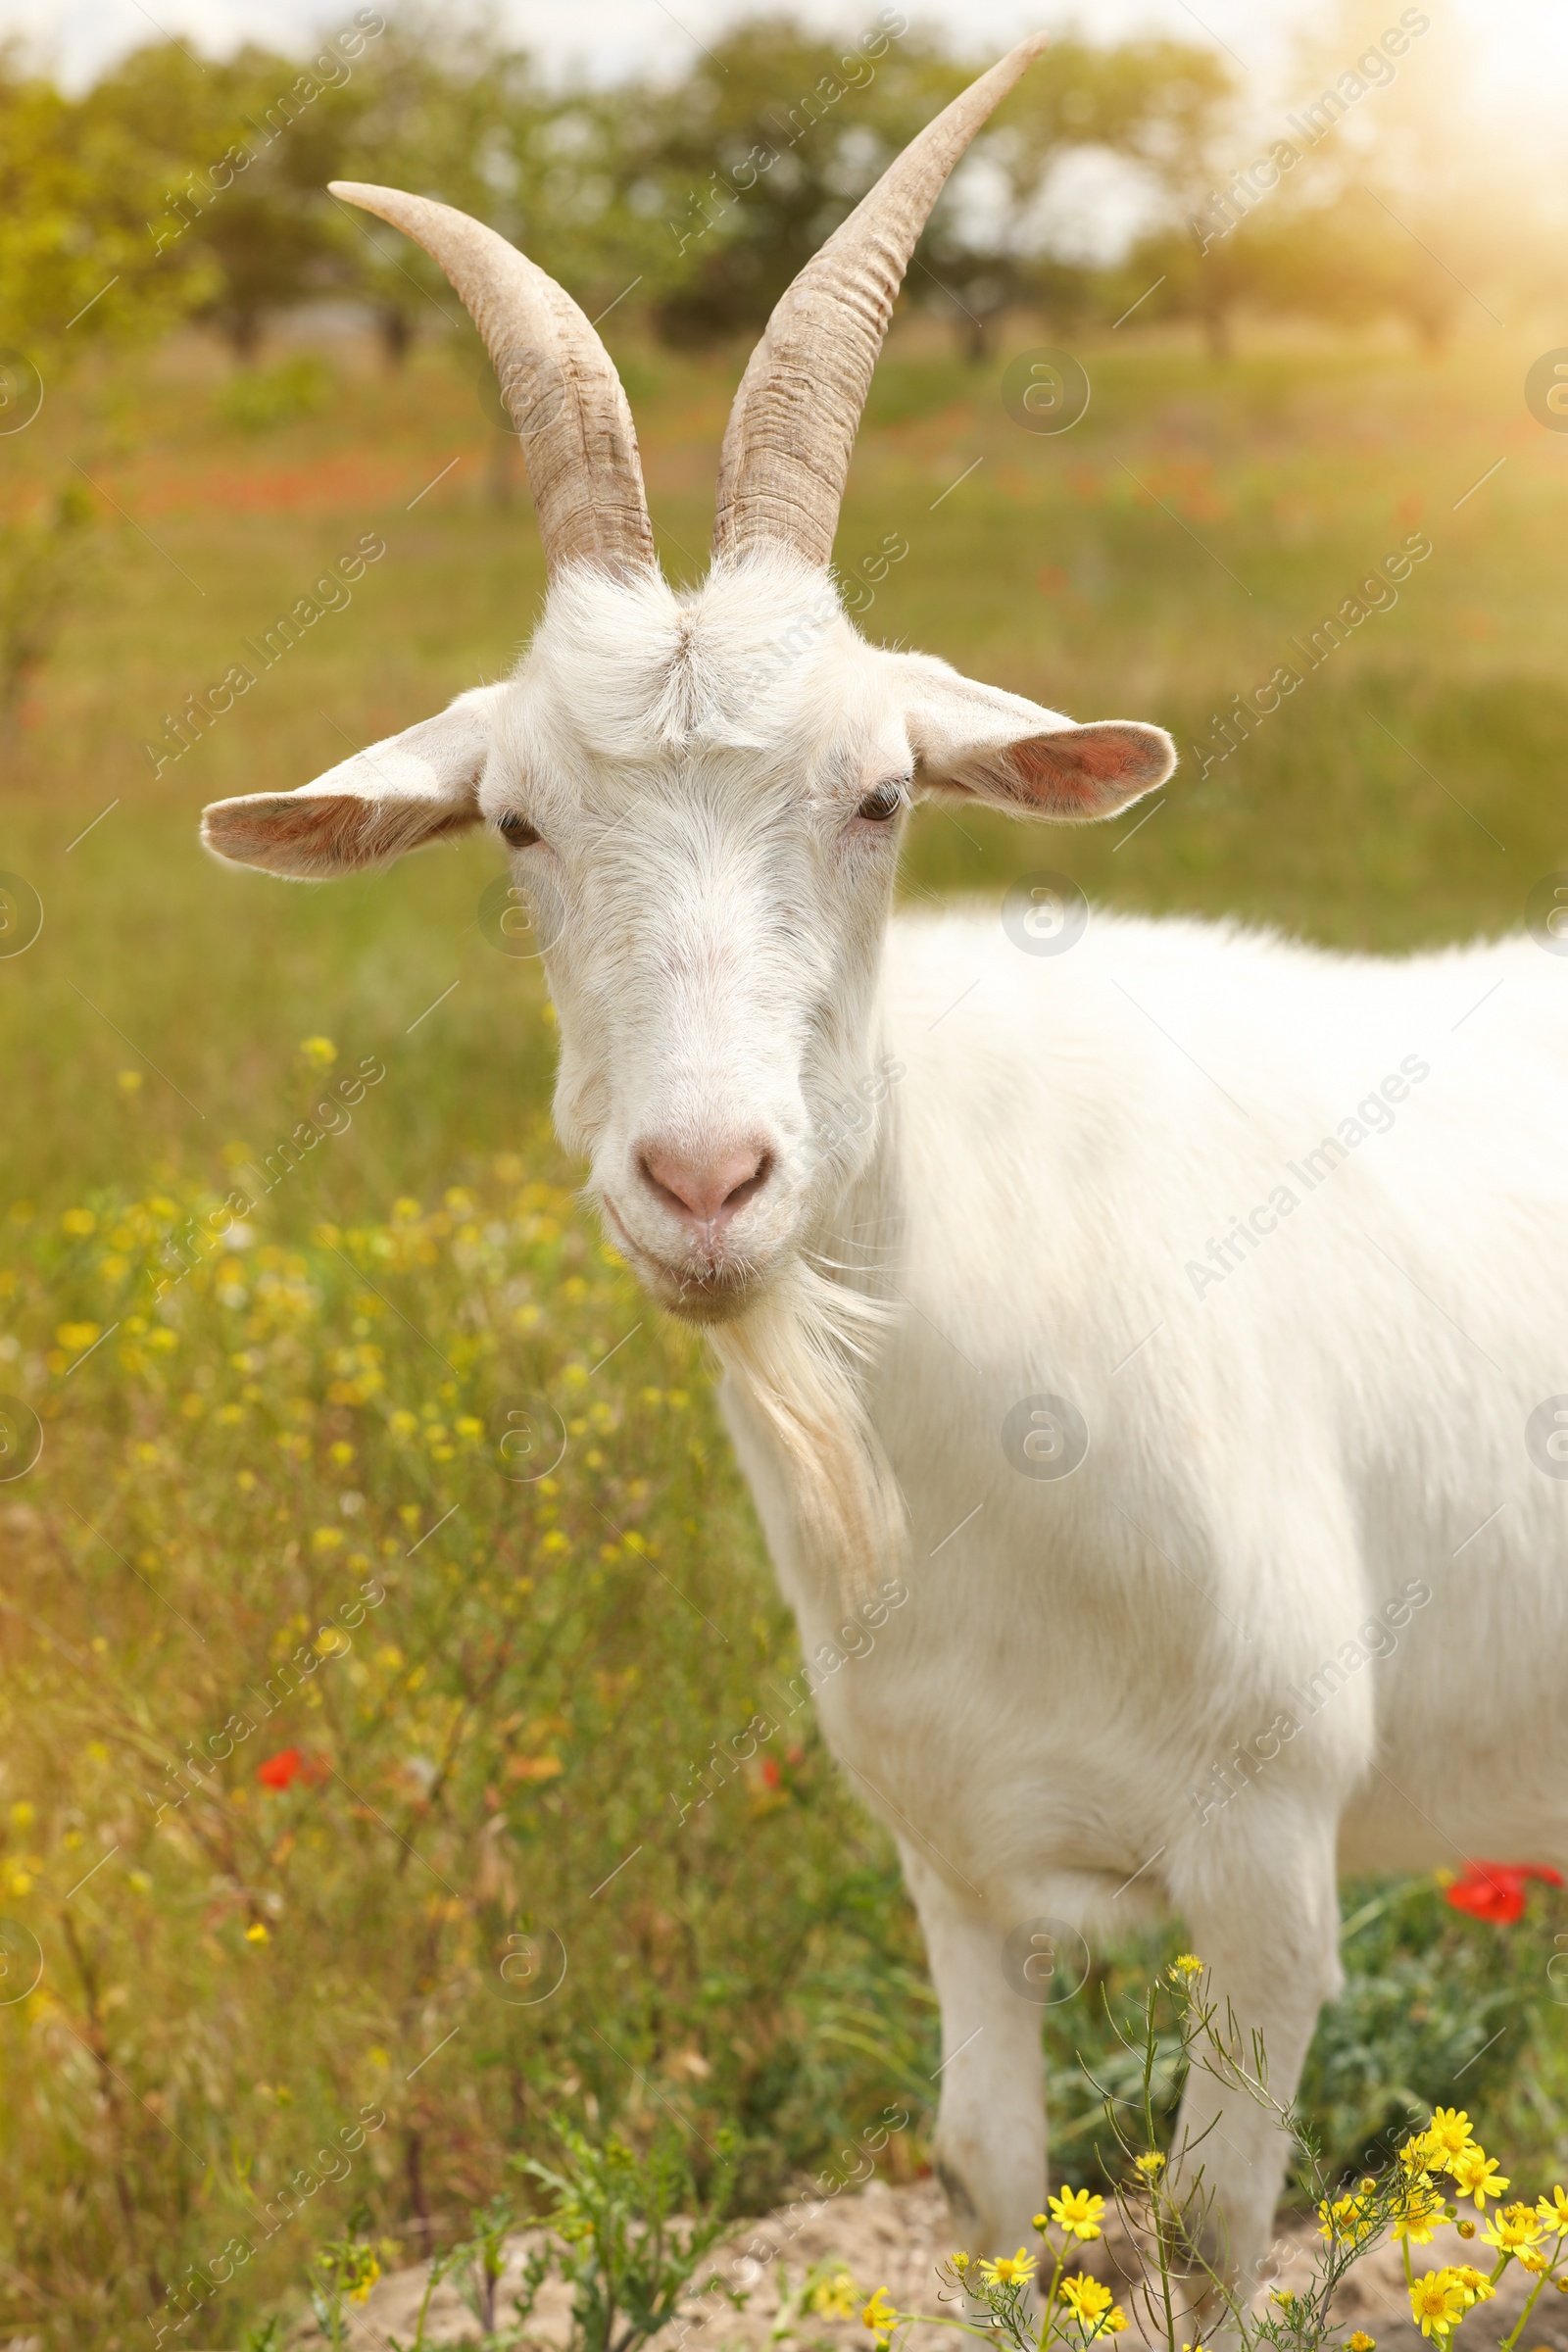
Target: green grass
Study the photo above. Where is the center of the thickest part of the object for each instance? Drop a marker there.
(755, 1964)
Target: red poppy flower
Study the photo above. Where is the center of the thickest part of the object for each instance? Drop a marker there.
(1495, 1891)
(770, 1771)
(290, 1764)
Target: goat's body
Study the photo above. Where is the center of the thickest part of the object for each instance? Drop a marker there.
(1279, 1456)
(1148, 1680)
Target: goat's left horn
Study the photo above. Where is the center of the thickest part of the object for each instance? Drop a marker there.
(786, 455)
(557, 378)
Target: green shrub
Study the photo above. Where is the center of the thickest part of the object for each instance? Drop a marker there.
(258, 398)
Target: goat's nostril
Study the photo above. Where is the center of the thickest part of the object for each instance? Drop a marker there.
(708, 1190)
(760, 1170)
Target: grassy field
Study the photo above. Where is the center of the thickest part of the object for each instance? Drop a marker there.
(272, 1493)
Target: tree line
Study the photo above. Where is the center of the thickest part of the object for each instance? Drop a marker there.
(180, 187)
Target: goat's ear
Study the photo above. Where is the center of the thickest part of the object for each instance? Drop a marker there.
(976, 742)
(397, 795)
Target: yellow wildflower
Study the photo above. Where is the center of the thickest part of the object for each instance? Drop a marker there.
(1114, 2322)
(1420, 2213)
(79, 1221)
(1514, 2227)
(369, 2270)
(1086, 2299)
(1437, 2302)
(1187, 1963)
(1447, 2135)
(1010, 2270)
(1150, 2164)
(960, 2262)
(256, 1933)
(319, 1052)
(834, 2298)
(1361, 2341)
(879, 2314)
(1077, 2212)
(1553, 2209)
(1477, 2176)
(1346, 2221)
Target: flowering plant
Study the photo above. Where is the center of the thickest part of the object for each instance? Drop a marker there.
(1033, 2302)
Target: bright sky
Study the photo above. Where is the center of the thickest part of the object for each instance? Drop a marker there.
(1526, 42)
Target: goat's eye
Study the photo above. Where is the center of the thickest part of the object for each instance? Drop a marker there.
(517, 830)
(882, 803)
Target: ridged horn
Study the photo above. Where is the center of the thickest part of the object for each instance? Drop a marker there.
(557, 378)
(786, 454)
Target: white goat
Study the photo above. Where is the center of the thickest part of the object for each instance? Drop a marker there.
(1172, 1306)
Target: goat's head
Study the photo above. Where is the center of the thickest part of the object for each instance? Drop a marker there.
(701, 793)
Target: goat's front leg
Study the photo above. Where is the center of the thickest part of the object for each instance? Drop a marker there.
(1259, 1898)
(989, 2149)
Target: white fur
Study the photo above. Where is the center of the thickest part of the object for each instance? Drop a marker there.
(1020, 1208)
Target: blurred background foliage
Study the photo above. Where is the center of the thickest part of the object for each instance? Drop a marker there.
(201, 184)
(537, 1731)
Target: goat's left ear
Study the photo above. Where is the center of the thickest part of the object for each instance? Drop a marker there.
(977, 743)
(397, 795)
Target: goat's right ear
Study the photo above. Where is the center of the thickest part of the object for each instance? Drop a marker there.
(397, 795)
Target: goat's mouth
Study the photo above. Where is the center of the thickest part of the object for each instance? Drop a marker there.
(714, 1292)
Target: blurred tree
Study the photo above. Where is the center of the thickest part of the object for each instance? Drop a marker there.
(245, 148)
(1186, 135)
(753, 160)
(1160, 106)
(1404, 201)
(1379, 190)
(440, 107)
(738, 172)
(78, 272)
(77, 268)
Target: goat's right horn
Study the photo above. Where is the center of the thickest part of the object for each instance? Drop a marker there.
(786, 455)
(557, 378)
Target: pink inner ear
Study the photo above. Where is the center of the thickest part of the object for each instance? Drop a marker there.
(1051, 770)
(1089, 771)
(324, 833)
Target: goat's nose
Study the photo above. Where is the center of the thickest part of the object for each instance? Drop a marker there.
(708, 1188)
